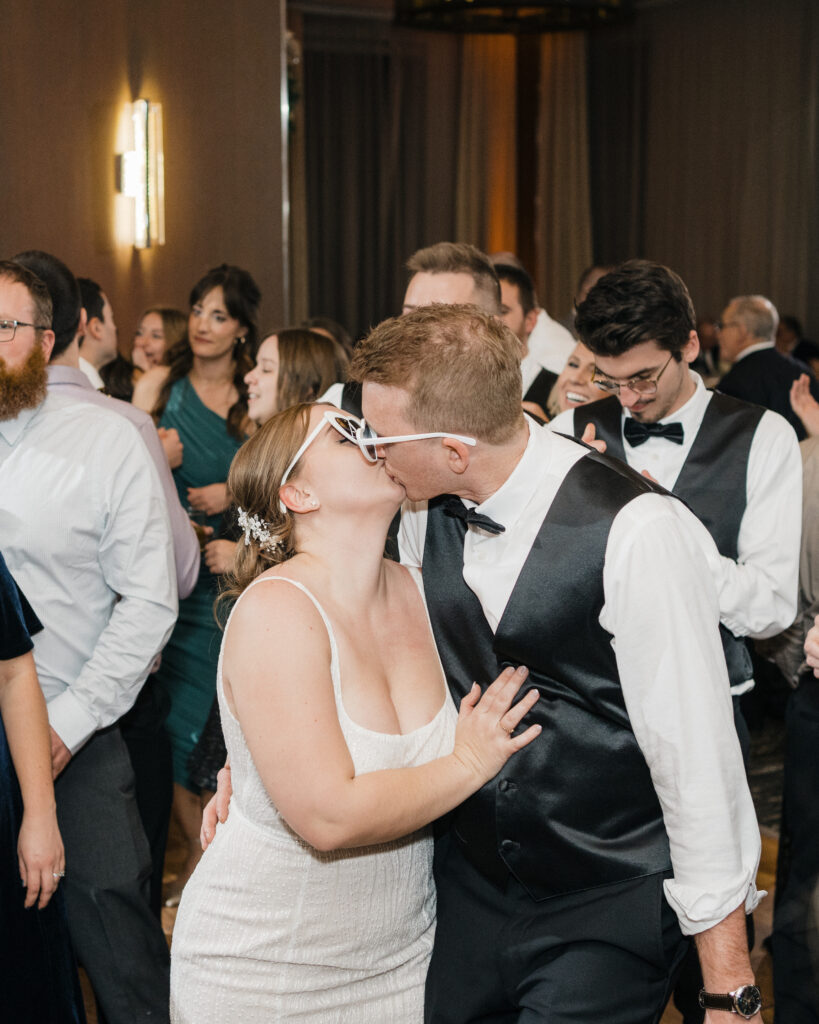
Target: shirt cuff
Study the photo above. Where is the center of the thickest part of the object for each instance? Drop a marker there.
(72, 722)
(697, 912)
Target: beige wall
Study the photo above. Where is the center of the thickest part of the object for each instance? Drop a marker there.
(67, 72)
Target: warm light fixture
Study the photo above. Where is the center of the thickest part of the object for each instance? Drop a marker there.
(142, 173)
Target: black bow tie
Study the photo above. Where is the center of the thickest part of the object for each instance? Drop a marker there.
(455, 507)
(637, 433)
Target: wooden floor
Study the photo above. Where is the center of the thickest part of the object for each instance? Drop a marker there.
(760, 958)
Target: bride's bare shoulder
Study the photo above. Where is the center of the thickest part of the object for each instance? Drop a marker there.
(276, 608)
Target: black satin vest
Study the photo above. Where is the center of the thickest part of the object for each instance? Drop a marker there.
(712, 482)
(576, 809)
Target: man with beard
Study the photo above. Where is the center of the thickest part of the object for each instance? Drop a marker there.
(143, 728)
(85, 531)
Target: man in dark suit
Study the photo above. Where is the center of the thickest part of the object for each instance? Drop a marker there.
(760, 373)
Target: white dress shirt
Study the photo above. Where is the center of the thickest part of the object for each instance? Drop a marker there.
(65, 380)
(92, 374)
(760, 346)
(758, 591)
(550, 345)
(661, 608)
(85, 532)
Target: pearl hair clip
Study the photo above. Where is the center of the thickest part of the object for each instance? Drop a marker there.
(259, 530)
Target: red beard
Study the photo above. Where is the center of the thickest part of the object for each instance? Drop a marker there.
(24, 387)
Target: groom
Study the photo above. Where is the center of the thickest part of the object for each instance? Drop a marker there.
(566, 884)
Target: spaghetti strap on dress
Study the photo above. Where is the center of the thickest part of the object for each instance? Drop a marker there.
(270, 929)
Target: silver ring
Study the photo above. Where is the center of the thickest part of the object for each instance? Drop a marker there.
(58, 875)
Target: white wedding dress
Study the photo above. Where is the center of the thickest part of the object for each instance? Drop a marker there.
(269, 929)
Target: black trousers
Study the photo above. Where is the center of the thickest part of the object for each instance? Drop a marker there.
(117, 939)
(795, 940)
(500, 957)
(149, 748)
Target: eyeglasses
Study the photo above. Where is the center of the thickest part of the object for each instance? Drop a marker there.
(368, 441)
(721, 325)
(360, 433)
(639, 386)
(8, 328)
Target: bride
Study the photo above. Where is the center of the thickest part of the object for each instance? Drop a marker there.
(315, 900)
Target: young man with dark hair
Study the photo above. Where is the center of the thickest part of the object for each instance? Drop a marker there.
(736, 465)
(547, 344)
(519, 311)
(98, 344)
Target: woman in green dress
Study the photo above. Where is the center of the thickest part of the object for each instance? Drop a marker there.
(202, 396)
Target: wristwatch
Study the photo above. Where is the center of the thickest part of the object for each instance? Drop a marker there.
(745, 1001)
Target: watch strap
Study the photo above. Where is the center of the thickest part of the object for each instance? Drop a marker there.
(717, 1001)
(746, 1001)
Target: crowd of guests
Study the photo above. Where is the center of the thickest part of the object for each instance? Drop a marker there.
(144, 490)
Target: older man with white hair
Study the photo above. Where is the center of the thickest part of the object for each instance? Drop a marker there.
(759, 374)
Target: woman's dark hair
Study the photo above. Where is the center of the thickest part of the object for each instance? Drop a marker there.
(242, 298)
(118, 378)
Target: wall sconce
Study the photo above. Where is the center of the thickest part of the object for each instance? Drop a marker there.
(141, 173)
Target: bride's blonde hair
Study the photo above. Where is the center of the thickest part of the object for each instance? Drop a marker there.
(253, 483)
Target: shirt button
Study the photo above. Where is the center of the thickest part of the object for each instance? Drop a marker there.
(510, 846)
(507, 786)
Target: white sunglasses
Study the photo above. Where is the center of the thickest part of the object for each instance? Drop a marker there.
(360, 433)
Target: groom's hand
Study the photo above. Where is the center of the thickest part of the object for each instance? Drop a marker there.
(216, 809)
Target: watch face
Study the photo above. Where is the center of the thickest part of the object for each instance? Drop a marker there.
(748, 1000)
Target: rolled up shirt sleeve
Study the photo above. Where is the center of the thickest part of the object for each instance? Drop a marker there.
(662, 608)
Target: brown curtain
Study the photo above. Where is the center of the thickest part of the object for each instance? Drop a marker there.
(704, 127)
(486, 191)
(563, 227)
(379, 114)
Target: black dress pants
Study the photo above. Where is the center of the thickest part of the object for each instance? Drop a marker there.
(500, 957)
(117, 939)
(149, 748)
(795, 939)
